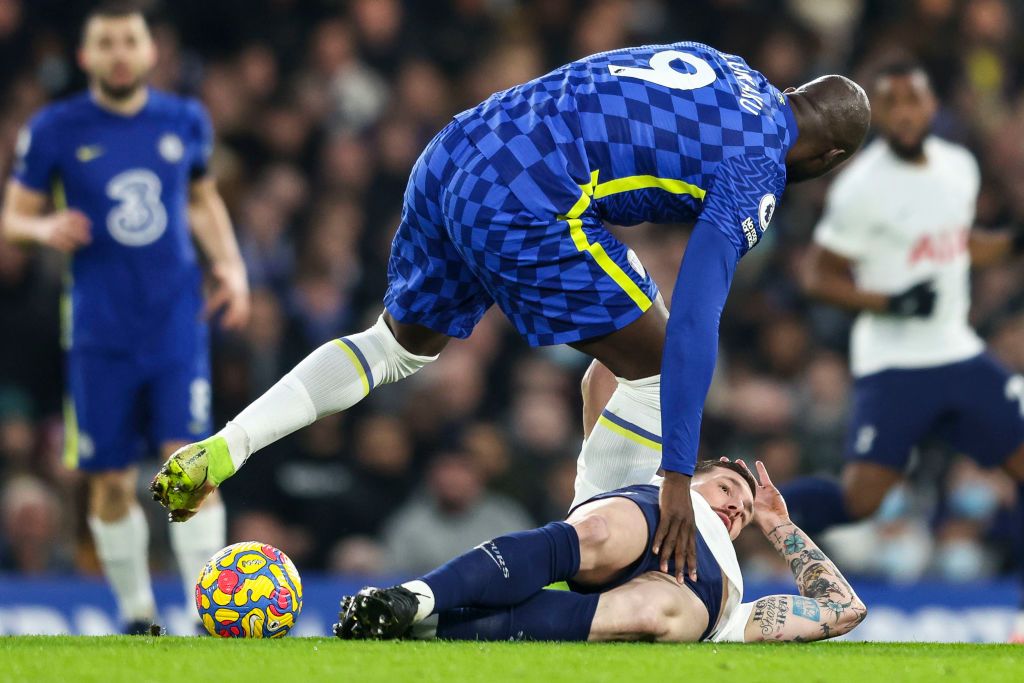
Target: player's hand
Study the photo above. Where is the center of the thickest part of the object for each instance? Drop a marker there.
(230, 294)
(676, 538)
(66, 231)
(918, 301)
(769, 506)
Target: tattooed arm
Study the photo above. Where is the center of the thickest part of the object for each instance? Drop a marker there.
(827, 605)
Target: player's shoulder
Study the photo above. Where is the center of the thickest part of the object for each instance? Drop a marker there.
(174, 105)
(62, 112)
(950, 152)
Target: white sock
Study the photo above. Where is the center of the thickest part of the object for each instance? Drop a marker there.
(333, 378)
(196, 541)
(123, 549)
(625, 446)
(424, 595)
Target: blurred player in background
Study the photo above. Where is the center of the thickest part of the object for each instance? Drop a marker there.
(896, 246)
(507, 205)
(125, 166)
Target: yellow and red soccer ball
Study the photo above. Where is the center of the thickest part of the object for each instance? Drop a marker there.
(249, 590)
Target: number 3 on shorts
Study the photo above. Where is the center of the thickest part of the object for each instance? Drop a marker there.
(662, 73)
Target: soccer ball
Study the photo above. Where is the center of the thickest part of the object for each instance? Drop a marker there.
(249, 590)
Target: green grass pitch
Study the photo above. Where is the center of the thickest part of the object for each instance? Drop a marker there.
(191, 660)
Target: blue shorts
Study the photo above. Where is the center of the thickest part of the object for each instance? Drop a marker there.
(709, 586)
(466, 242)
(119, 405)
(976, 406)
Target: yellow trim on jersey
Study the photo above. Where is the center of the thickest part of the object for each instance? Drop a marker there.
(70, 433)
(632, 436)
(357, 364)
(595, 190)
(645, 182)
(596, 250)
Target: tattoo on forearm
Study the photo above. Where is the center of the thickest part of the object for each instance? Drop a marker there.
(805, 558)
(825, 595)
(794, 543)
(806, 608)
(770, 614)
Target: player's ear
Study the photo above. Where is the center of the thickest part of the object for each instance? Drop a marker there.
(834, 157)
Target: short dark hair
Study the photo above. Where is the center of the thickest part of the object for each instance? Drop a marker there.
(116, 8)
(706, 466)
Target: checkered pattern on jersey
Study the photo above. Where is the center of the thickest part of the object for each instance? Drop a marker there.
(466, 241)
(547, 136)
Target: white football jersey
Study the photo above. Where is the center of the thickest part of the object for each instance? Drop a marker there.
(716, 536)
(901, 224)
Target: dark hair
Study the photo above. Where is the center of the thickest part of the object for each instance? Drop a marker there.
(707, 465)
(116, 8)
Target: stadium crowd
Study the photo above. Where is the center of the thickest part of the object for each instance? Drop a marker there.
(320, 109)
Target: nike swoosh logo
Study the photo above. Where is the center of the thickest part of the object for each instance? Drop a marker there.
(87, 153)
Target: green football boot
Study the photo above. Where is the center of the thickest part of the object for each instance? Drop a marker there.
(191, 474)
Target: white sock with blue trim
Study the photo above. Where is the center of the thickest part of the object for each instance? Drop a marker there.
(333, 378)
(624, 447)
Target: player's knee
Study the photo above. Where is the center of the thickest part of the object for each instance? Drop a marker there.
(593, 531)
(652, 622)
(587, 381)
(859, 506)
(416, 339)
(111, 494)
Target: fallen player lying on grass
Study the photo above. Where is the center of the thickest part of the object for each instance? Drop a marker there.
(604, 550)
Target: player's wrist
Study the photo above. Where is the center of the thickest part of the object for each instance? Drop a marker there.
(678, 477)
(233, 264)
(770, 523)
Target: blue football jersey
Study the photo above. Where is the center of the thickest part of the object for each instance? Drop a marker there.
(660, 133)
(138, 281)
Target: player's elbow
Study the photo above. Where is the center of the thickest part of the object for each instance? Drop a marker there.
(852, 617)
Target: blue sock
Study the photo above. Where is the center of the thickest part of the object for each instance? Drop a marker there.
(815, 503)
(508, 569)
(546, 615)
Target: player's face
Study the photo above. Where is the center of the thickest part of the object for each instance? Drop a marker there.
(904, 108)
(729, 496)
(118, 54)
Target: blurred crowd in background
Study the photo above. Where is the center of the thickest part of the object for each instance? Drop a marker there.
(321, 108)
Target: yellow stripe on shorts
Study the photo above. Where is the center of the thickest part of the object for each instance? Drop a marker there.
(595, 190)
